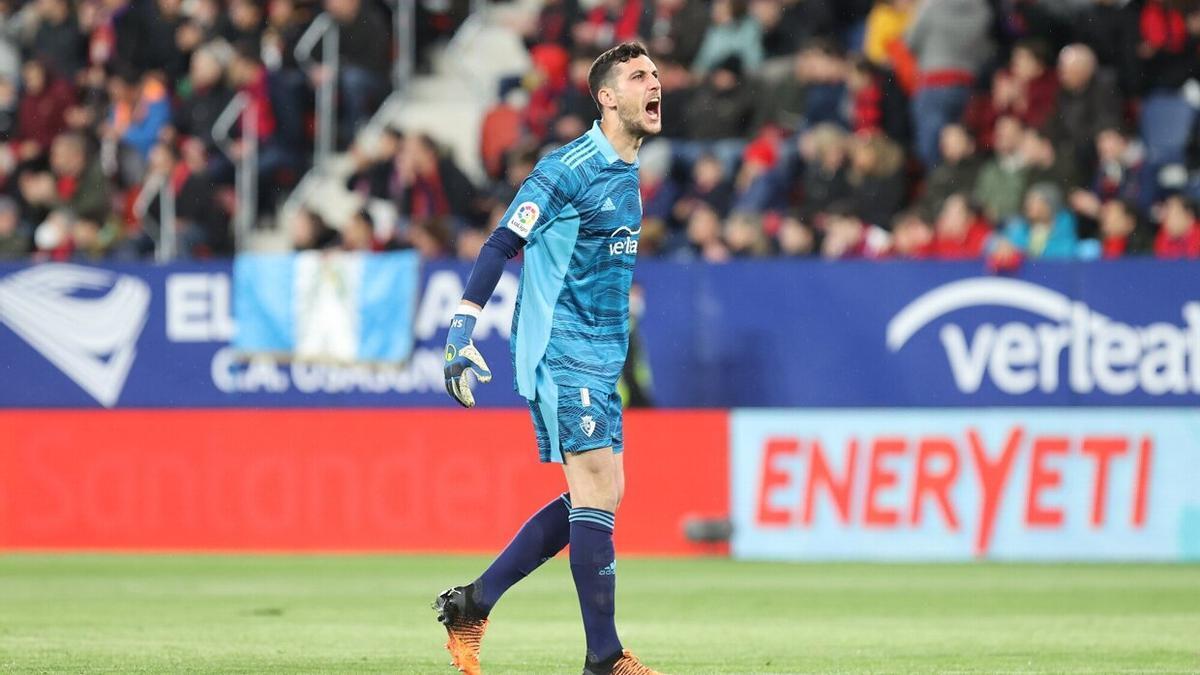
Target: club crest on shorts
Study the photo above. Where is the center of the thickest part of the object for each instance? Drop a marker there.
(587, 424)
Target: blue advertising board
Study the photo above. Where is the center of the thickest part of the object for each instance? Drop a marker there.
(744, 334)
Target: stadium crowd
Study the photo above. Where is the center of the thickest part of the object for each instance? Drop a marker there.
(951, 129)
(101, 101)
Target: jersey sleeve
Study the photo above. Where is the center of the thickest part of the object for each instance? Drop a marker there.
(548, 189)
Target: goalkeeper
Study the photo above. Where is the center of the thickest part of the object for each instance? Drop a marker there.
(578, 217)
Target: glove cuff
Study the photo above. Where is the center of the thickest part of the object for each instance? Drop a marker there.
(462, 324)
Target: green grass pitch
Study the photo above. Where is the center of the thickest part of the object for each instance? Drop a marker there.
(366, 614)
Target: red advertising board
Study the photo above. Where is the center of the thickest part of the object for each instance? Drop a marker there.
(329, 480)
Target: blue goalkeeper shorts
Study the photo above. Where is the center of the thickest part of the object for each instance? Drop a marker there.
(574, 419)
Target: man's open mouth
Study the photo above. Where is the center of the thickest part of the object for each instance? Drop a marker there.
(652, 108)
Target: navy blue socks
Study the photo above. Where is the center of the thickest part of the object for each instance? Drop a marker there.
(538, 540)
(594, 567)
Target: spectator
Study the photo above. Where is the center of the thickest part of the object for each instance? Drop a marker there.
(675, 29)
(709, 187)
(9, 104)
(609, 22)
(549, 80)
(795, 238)
(1179, 231)
(787, 26)
(555, 22)
(722, 107)
(204, 98)
(244, 24)
(960, 232)
(41, 114)
(1027, 89)
(432, 185)
(824, 76)
(1088, 102)
(58, 42)
(160, 47)
(1044, 164)
(957, 172)
(1111, 29)
(744, 236)
(1002, 179)
(733, 32)
(1044, 229)
(912, 238)
(14, 235)
(659, 191)
(1120, 174)
(373, 165)
(203, 230)
(470, 241)
(949, 39)
(760, 180)
(878, 102)
(286, 23)
(781, 101)
(824, 181)
(309, 231)
(703, 236)
(886, 25)
(79, 185)
(848, 237)
(139, 111)
(90, 241)
(364, 46)
(358, 234)
(501, 128)
(1121, 233)
(431, 238)
(1168, 45)
(875, 178)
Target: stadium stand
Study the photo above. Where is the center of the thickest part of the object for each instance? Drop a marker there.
(894, 128)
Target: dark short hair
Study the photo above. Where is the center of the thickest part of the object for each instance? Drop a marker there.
(603, 65)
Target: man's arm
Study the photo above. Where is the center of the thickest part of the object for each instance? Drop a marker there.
(541, 197)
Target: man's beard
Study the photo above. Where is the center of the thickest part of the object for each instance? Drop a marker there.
(635, 125)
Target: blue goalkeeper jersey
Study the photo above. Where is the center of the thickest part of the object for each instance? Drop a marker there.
(580, 213)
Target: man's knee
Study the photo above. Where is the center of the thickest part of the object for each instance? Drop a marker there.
(592, 478)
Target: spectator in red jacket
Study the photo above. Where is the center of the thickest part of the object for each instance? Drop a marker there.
(1179, 232)
(1168, 45)
(1120, 231)
(961, 232)
(41, 114)
(1028, 88)
(912, 238)
(610, 22)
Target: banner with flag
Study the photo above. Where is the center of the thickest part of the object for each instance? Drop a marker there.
(326, 306)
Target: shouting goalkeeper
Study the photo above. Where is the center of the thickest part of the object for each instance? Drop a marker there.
(578, 217)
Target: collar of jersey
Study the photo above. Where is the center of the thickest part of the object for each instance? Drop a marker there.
(606, 148)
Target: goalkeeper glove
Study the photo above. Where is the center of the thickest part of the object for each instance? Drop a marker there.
(461, 358)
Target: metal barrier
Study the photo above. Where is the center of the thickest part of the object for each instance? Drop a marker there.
(323, 31)
(159, 185)
(245, 162)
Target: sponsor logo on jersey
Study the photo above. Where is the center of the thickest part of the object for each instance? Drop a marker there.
(1100, 353)
(627, 244)
(608, 205)
(85, 321)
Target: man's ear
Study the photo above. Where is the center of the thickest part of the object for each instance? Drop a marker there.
(606, 97)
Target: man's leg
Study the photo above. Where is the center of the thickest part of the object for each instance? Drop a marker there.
(539, 539)
(592, 480)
